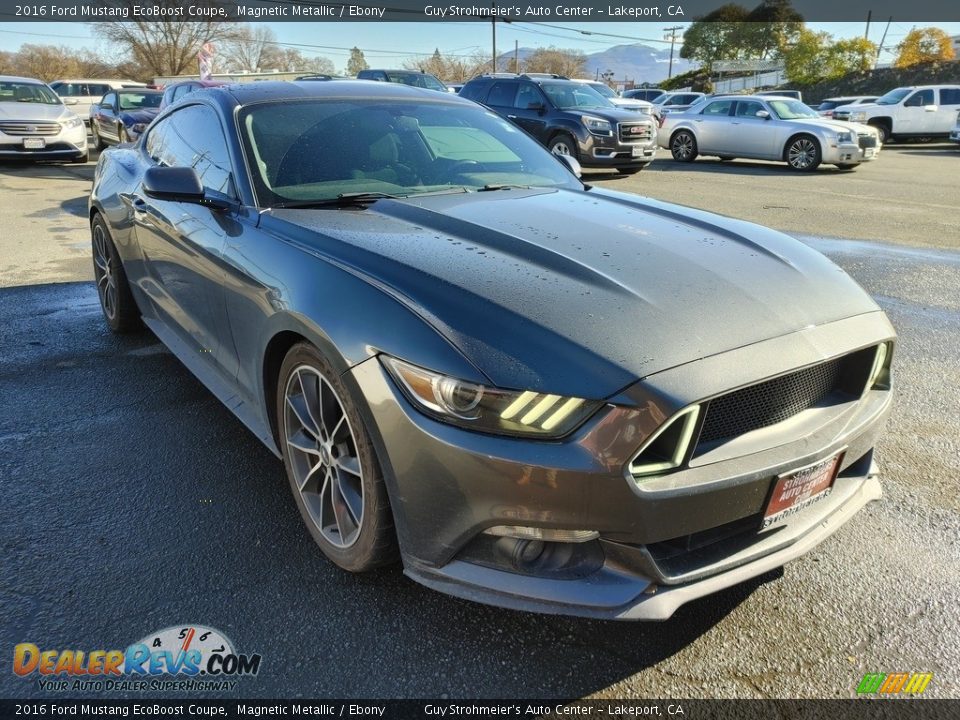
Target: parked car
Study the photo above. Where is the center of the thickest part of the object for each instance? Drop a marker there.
(675, 102)
(570, 118)
(766, 128)
(455, 88)
(826, 108)
(925, 111)
(795, 94)
(536, 393)
(647, 94)
(626, 103)
(87, 92)
(35, 123)
(177, 90)
(122, 115)
(404, 77)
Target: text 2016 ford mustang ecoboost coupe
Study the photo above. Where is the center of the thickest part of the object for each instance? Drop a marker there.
(535, 393)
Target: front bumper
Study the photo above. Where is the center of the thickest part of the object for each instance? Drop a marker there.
(448, 485)
(68, 144)
(849, 153)
(601, 151)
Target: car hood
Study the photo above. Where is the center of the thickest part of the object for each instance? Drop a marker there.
(33, 111)
(131, 117)
(835, 125)
(580, 293)
(630, 104)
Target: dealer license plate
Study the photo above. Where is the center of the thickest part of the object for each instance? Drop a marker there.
(801, 488)
(637, 151)
(869, 152)
(34, 143)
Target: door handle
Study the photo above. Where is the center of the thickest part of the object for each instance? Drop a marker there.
(511, 117)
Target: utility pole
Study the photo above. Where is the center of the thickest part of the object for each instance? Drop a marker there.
(866, 32)
(880, 46)
(516, 56)
(672, 37)
(493, 26)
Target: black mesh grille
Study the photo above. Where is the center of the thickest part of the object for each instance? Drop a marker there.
(768, 403)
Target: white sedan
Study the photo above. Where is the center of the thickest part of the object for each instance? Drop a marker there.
(766, 128)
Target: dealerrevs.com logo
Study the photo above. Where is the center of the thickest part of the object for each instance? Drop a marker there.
(180, 658)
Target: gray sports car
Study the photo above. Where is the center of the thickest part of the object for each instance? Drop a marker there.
(533, 392)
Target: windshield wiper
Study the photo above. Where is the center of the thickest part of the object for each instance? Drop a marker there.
(341, 200)
(504, 186)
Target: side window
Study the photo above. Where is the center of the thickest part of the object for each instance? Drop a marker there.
(97, 90)
(950, 96)
(502, 94)
(920, 98)
(748, 109)
(720, 107)
(109, 100)
(473, 91)
(193, 137)
(527, 95)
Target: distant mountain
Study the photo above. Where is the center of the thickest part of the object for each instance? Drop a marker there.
(640, 63)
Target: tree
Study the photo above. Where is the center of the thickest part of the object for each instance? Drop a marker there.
(357, 61)
(770, 28)
(252, 49)
(850, 56)
(46, 62)
(570, 63)
(805, 62)
(715, 36)
(922, 45)
(166, 47)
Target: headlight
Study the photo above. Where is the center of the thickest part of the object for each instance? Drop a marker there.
(138, 127)
(72, 122)
(858, 116)
(845, 137)
(880, 371)
(598, 126)
(486, 409)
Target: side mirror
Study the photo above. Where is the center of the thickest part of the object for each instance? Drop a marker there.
(572, 164)
(70, 101)
(177, 184)
(930, 108)
(763, 114)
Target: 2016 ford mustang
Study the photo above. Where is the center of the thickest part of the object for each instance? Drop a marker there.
(535, 393)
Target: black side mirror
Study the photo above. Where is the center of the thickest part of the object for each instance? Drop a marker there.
(179, 184)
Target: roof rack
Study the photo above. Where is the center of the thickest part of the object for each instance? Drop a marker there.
(531, 76)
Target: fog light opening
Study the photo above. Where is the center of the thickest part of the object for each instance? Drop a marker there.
(527, 552)
(545, 534)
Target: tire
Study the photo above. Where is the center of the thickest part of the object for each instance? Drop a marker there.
(802, 153)
(563, 144)
(98, 142)
(630, 170)
(336, 444)
(883, 131)
(116, 301)
(82, 160)
(683, 146)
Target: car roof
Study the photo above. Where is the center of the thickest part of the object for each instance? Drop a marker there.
(275, 90)
(15, 78)
(137, 90)
(98, 80)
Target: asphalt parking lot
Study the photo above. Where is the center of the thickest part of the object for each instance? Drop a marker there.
(134, 501)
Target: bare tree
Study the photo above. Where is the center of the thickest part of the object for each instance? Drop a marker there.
(251, 49)
(570, 63)
(165, 47)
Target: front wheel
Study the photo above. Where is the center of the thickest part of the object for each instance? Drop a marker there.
(563, 145)
(331, 463)
(98, 142)
(882, 131)
(683, 147)
(803, 153)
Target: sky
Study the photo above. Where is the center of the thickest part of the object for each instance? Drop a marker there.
(389, 44)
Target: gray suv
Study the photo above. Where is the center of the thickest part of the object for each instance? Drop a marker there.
(569, 118)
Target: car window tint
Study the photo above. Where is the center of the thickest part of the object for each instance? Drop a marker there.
(920, 98)
(473, 91)
(748, 108)
(502, 94)
(110, 99)
(950, 96)
(193, 137)
(720, 107)
(526, 95)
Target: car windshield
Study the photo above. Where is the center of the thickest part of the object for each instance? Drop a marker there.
(831, 104)
(602, 89)
(416, 80)
(23, 92)
(139, 100)
(792, 109)
(573, 96)
(316, 150)
(893, 97)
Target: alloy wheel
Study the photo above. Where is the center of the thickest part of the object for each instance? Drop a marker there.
(682, 146)
(104, 272)
(323, 456)
(560, 147)
(802, 153)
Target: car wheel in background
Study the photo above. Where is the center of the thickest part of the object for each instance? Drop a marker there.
(683, 146)
(563, 145)
(97, 140)
(119, 308)
(882, 131)
(331, 463)
(803, 153)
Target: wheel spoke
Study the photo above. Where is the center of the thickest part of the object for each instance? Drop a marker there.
(349, 464)
(341, 423)
(301, 442)
(296, 404)
(349, 498)
(309, 482)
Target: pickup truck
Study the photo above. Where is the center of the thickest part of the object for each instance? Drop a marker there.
(926, 111)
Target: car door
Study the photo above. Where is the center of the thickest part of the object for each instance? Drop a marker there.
(182, 243)
(949, 106)
(107, 116)
(529, 111)
(711, 126)
(500, 99)
(915, 116)
(752, 136)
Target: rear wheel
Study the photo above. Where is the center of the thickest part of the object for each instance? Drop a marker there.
(683, 146)
(119, 308)
(331, 463)
(803, 153)
(97, 140)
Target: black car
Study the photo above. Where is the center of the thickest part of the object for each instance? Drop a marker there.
(414, 78)
(648, 94)
(569, 118)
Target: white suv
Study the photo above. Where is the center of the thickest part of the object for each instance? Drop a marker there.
(920, 111)
(88, 92)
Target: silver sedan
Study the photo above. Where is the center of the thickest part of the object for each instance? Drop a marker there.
(766, 128)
